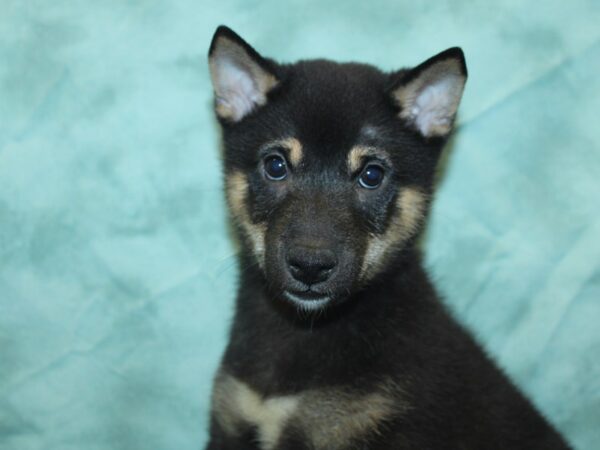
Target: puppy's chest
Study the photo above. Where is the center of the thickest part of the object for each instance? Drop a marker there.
(329, 418)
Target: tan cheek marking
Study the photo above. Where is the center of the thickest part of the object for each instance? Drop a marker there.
(237, 193)
(236, 404)
(411, 204)
(237, 190)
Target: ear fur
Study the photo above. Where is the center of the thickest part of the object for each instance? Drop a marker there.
(429, 94)
(241, 78)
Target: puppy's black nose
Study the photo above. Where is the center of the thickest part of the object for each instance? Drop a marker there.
(310, 265)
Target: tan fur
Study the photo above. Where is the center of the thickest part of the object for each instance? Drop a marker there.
(237, 192)
(406, 95)
(236, 404)
(411, 205)
(223, 110)
(329, 418)
(264, 80)
(333, 418)
(294, 148)
(357, 155)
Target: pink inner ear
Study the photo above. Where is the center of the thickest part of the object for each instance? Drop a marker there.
(436, 104)
(236, 91)
(240, 81)
(430, 100)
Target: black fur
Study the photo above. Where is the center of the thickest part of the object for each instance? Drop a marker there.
(390, 325)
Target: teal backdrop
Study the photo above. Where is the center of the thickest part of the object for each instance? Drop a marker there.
(117, 274)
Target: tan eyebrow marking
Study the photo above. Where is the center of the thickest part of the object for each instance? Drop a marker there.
(358, 153)
(293, 146)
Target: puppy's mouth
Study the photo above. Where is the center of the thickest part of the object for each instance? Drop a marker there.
(307, 300)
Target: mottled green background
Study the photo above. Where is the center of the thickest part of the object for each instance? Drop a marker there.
(116, 271)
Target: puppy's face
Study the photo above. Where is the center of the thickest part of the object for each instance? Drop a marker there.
(329, 166)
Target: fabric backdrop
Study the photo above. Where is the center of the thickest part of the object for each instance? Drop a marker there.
(117, 274)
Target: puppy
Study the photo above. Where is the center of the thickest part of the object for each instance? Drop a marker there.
(339, 339)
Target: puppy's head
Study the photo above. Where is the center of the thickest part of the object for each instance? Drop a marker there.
(328, 166)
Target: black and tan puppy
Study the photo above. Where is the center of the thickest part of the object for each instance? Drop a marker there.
(339, 339)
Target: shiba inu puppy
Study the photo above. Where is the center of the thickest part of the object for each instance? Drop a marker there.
(339, 339)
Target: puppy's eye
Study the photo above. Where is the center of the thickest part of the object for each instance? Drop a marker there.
(275, 168)
(371, 176)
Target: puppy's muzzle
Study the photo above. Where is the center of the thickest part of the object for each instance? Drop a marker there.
(310, 265)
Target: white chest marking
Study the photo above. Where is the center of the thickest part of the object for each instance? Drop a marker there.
(329, 418)
(236, 402)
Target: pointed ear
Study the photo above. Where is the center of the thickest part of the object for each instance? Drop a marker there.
(429, 94)
(241, 78)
